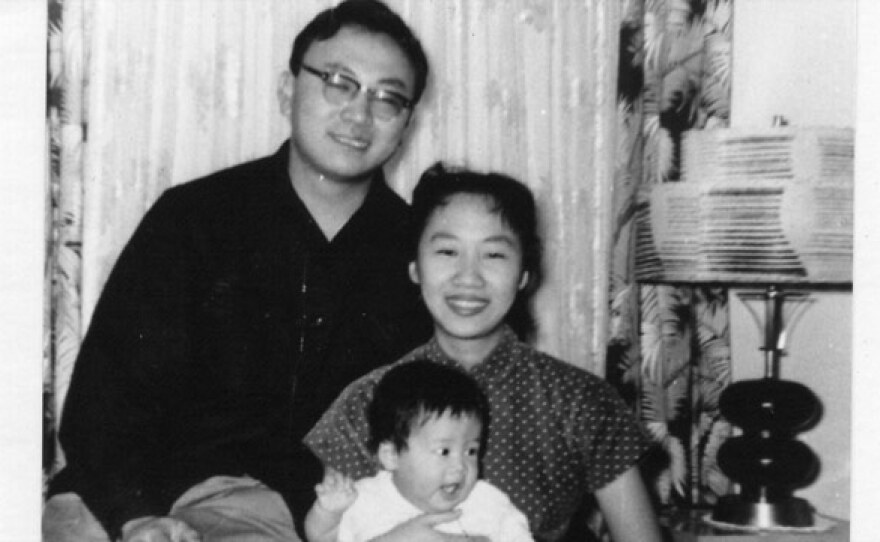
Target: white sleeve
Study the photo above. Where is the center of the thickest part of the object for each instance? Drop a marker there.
(377, 509)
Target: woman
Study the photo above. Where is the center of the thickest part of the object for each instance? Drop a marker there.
(556, 433)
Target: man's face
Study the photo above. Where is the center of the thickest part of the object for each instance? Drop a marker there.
(346, 141)
(440, 465)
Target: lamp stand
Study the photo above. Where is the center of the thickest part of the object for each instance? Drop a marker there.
(766, 460)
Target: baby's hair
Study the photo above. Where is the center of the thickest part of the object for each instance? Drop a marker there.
(414, 392)
(515, 205)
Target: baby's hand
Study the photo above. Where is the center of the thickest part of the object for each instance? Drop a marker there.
(336, 492)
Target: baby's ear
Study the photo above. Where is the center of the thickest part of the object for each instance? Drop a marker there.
(388, 457)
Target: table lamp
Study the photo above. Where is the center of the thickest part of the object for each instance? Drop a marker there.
(770, 209)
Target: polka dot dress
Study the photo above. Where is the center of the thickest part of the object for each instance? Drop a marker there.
(556, 431)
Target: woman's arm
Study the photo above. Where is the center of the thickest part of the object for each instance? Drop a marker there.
(628, 510)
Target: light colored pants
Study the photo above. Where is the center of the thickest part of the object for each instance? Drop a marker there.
(221, 509)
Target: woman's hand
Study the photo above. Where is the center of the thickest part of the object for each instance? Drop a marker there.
(158, 529)
(421, 529)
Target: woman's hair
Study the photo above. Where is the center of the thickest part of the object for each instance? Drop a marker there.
(414, 392)
(373, 16)
(515, 205)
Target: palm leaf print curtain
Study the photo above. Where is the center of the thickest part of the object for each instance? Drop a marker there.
(669, 347)
(65, 126)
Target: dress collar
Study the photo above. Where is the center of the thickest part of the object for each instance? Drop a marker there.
(507, 349)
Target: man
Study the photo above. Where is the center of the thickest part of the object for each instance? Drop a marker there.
(244, 303)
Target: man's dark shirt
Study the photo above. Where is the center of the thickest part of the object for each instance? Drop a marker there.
(227, 326)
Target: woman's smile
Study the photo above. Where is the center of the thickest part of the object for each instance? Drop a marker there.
(466, 305)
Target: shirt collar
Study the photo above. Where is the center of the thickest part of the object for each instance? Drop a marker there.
(376, 213)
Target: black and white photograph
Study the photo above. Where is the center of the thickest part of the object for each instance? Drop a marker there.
(439, 270)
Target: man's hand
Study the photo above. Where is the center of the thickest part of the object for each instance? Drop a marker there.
(156, 529)
(336, 492)
(421, 529)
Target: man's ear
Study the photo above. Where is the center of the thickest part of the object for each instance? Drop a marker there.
(413, 272)
(404, 138)
(388, 457)
(284, 92)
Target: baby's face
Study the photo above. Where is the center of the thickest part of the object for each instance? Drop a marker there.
(440, 465)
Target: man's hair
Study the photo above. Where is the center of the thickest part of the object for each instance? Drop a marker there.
(413, 393)
(373, 16)
(515, 205)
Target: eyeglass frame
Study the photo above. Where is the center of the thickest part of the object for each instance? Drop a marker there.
(373, 94)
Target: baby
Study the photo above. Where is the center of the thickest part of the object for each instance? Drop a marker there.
(427, 424)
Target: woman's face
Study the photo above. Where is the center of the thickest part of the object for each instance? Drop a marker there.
(469, 267)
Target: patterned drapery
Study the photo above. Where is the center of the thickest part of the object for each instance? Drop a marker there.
(669, 349)
(145, 94)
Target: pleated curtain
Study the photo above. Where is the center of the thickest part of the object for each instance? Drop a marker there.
(146, 94)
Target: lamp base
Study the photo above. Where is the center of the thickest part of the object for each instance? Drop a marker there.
(790, 512)
(691, 525)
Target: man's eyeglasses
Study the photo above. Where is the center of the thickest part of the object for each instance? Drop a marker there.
(340, 89)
